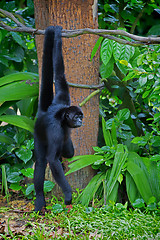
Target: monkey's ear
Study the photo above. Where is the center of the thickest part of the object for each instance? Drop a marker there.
(66, 115)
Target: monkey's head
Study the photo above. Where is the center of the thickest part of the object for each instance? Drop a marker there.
(73, 116)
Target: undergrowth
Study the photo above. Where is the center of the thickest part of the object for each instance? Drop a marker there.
(113, 221)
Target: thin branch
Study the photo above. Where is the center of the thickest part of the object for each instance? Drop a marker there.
(137, 19)
(89, 97)
(134, 39)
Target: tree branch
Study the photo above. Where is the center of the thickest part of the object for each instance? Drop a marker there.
(110, 34)
(100, 86)
(138, 18)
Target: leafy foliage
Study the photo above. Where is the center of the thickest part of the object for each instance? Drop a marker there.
(18, 100)
(18, 52)
(118, 162)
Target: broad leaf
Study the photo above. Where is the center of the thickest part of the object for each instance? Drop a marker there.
(117, 50)
(29, 189)
(19, 121)
(106, 134)
(123, 114)
(18, 90)
(5, 139)
(28, 172)
(139, 177)
(118, 163)
(15, 186)
(18, 38)
(24, 154)
(131, 188)
(15, 77)
(14, 177)
(5, 106)
(106, 50)
(83, 161)
(88, 193)
(106, 70)
(96, 46)
(48, 186)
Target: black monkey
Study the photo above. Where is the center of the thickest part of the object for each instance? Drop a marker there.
(55, 119)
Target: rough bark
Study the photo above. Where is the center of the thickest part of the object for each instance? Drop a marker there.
(71, 14)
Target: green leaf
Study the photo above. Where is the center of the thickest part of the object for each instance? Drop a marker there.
(57, 208)
(114, 134)
(139, 203)
(5, 139)
(82, 161)
(155, 158)
(30, 189)
(140, 59)
(14, 177)
(96, 46)
(4, 61)
(131, 188)
(106, 70)
(30, 144)
(20, 137)
(129, 76)
(48, 186)
(106, 134)
(106, 50)
(142, 80)
(5, 106)
(24, 154)
(120, 178)
(117, 50)
(146, 93)
(137, 140)
(18, 38)
(15, 186)
(19, 121)
(152, 206)
(154, 30)
(127, 52)
(18, 90)
(29, 172)
(139, 178)
(18, 77)
(123, 114)
(157, 117)
(88, 193)
(118, 163)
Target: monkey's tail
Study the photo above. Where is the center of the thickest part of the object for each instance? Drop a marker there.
(46, 90)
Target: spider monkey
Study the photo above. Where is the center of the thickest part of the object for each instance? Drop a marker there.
(55, 119)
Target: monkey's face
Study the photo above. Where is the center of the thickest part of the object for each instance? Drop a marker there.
(74, 117)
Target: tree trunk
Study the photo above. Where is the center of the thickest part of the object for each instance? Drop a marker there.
(71, 14)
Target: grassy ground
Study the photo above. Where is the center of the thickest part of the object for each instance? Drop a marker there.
(77, 222)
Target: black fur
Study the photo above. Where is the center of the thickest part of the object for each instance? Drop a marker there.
(55, 119)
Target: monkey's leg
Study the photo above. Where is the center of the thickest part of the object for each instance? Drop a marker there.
(58, 174)
(39, 175)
